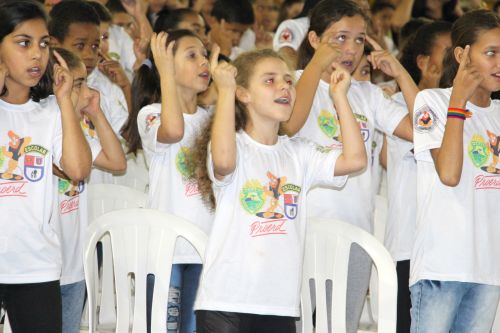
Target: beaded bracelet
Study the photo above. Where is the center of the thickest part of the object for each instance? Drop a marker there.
(459, 113)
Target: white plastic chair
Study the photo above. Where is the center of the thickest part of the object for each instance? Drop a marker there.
(142, 243)
(326, 257)
(137, 175)
(104, 198)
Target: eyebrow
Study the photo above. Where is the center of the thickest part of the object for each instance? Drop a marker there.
(347, 31)
(31, 37)
(78, 80)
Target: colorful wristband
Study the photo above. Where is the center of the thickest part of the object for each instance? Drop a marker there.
(459, 113)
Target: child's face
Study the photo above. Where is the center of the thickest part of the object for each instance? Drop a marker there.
(83, 39)
(80, 94)
(363, 71)
(25, 53)
(195, 24)
(349, 34)
(435, 64)
(191, 65)
(236, 30)
(263, 12)
(485, 56)
(270, 95)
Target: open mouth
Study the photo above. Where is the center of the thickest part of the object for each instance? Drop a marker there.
(204, 75)
(496, 75)
(283, 100)
(347, 63)
(35, 72)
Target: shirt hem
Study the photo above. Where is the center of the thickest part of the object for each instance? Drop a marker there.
(17, 279)
(454, 278)
(247, 308)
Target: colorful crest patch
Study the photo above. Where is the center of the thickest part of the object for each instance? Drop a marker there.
(478, 150)
(151, 119)
(252, 197)
(424, 119)
(328, 123)
(182, 162)
(363, 126)
(34, 162)
(286, 36)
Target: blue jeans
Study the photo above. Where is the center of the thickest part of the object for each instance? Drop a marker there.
(453, 307)
(72, 299)
(182, 293)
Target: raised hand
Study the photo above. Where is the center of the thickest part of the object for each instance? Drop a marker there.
(326, 53)
(223, 73)
(340, 81)
(4, 72)
(221, 36)
(163, 56)
(114, 71)
(263, 39)
(467, 79)
(63, 80)
(384, 60)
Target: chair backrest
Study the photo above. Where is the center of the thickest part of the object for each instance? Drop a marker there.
(326, 257)
(142, 243)
(137, 175)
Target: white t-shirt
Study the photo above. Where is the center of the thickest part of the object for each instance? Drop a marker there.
(457, 227)
(373, 110)
(247, 41)
(30, 140)
(114, 107)
(171, 188)
(253, 259)
(402, 195)
(121, 49)
(70, 217)
(291, 33)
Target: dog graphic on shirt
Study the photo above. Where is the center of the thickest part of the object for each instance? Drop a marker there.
(14, 151)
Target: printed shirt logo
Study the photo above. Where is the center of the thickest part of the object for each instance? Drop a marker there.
(328, 124)
(479, 151)
(282, 201)
(183, 165)
(424, 119)
(71, 190)
(34, 162)
(151, 120)
(286, 36)
(363, 126)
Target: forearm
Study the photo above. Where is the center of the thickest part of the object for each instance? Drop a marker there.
(306, 90)
(172, 120)
(76, 159)
(223, 135)
(409, 90)
(448, 159)
(353, 149)
(113, 157)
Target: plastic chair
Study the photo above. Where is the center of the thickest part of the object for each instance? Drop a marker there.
(142, 243)
(104, 198)
(137, 174)
(326, 257)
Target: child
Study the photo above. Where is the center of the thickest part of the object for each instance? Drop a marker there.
(184, 18)
(167, 123)
(37, 130)
(455, 272)
(232, 19)
(335, 39)
(423, 58)
(70, 210)
(74, 26)
(251, 276)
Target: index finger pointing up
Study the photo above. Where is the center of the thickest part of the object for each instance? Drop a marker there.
(464, 61)
(214, 57)
(60, 60)
(376, 46)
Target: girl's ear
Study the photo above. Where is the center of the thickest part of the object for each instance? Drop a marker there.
(243, 95)
(422, 62)
(457, 52)
(314, 39)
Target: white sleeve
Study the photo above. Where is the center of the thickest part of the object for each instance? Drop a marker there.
(148, 122)
(113, 108)
(388, 113)
(288, 34)
(210, 166)
(428, 126)
(319, 164)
